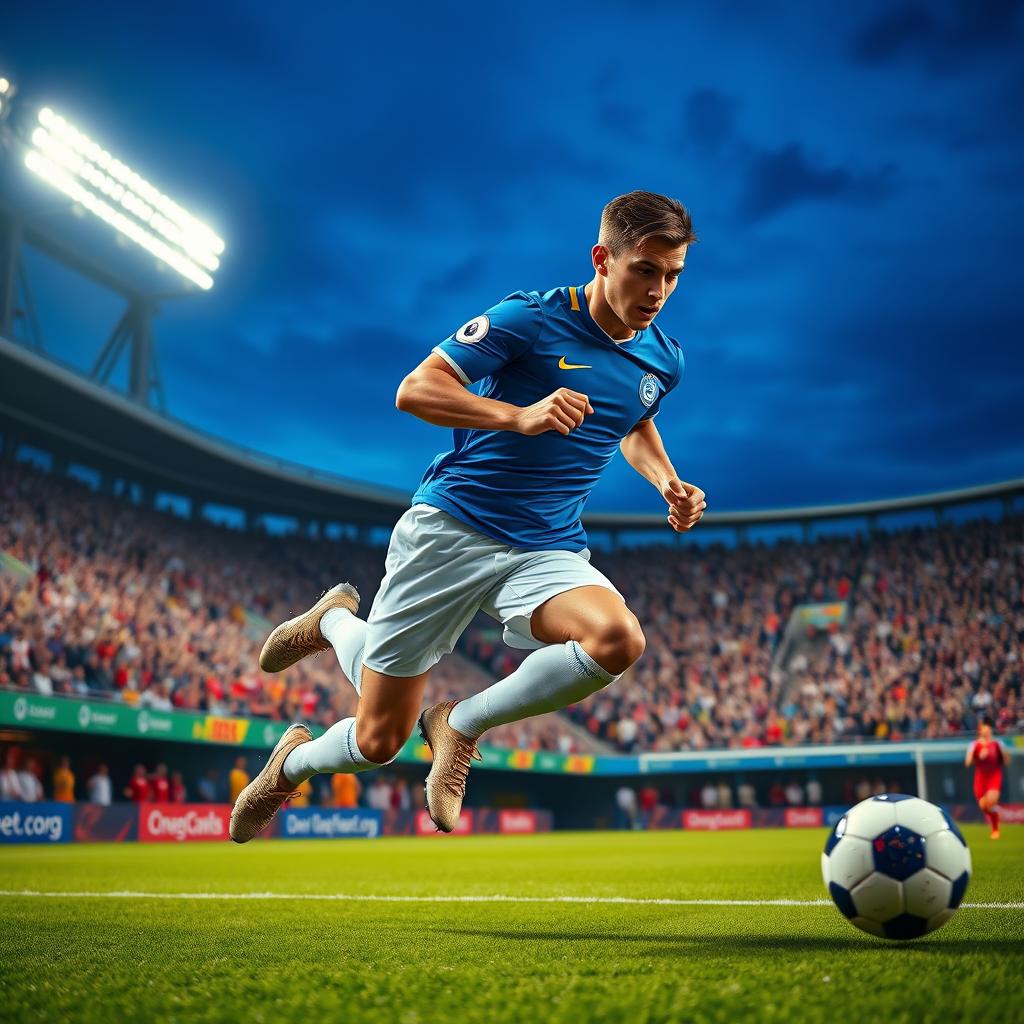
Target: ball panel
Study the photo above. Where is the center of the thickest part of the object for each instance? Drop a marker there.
(867, 925)
(850, 862)
(825, 876)
(837, 833)
(893, 798)
(926, 893)
(878, 897)
(958, 890)
(898, 852)
(953, 828)
(870, 818)
(944, 853)
(841, 898)
(939, 919)
(905, 926)
(919, 815)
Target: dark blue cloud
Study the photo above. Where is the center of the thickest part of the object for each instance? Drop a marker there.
(779, 178)
(850, 318)
(945, 37)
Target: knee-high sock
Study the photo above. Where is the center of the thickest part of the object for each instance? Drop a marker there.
(551, 678)
(335, 751)
(346, 633)
(993, 818)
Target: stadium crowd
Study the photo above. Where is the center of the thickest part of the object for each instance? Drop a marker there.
(156, 611)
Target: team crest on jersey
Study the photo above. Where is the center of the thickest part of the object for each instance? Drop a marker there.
(476, 330)
(648, 389)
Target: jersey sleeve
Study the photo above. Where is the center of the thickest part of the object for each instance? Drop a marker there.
(488, 342)
(656, 407)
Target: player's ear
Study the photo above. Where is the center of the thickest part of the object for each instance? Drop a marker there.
(600, 255)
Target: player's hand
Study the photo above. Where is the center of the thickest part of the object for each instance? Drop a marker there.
(564, 411)
(686, 504)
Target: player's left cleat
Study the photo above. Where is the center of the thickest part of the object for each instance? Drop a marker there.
(446, 783)
(995, 834)
(299, 637)
(260, 800)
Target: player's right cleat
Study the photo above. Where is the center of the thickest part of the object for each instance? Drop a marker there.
(299, 637)
(259, 801)
(446, 783)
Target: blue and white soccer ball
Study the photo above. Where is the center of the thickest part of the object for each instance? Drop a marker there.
(896, 866)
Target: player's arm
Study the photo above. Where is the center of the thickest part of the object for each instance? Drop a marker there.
(643, 449)
(969, 759)
(1006, 755)
(433, 392)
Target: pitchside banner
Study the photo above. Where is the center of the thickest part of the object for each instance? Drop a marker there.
(178, 823)
(330, 823)
(35, 823)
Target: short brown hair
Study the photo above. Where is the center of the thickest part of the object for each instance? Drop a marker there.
(630, 220)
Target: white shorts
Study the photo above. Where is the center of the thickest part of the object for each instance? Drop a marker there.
(441, 572)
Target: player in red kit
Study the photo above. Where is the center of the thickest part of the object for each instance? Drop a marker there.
(988, 757)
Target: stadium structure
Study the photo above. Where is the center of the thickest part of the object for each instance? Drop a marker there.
(126, 444)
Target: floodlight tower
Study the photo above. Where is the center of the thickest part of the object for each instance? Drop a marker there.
(67, 160)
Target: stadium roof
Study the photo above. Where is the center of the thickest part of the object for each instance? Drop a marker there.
(58, 409)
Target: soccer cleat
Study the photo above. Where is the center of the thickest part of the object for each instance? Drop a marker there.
(446, 783)
(259, 801)
(299, 637)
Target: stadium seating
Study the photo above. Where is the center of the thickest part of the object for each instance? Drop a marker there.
(144, 607)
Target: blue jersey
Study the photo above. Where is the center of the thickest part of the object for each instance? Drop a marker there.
(529, 492)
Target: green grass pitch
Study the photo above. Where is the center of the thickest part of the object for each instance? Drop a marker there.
(126, 959)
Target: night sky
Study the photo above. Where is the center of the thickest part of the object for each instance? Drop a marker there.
(852, 316)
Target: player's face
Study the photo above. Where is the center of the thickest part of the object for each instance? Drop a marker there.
(640, 280)
(985, 732)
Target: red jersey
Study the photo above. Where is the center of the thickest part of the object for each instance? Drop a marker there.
(988, 758)
(161, 790)
(139, 789)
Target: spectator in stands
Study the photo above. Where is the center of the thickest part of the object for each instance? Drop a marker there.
(709, 795)
(159, 785)
(179, 794)
(207, 788)
(238, 779)
(345, 790)
(10, 779)
(378, 795)
(626, 804)
(137, 789)
(724, 794)
(776, 794)
(400, 799)
(746, 795)
(813, 790)
(31, 786)
(99, 788)
(64, 782)
(794, 793)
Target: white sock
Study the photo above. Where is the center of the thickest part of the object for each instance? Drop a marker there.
(553, 677)
(335, 751)
(346, 633)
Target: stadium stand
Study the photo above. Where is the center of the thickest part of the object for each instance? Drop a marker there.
(102, 597)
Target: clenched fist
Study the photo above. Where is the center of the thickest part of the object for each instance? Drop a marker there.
(686, 504)
(563, 411)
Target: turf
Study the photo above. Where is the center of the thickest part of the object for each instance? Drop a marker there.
(130, 959)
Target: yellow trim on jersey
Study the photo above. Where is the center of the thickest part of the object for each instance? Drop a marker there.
(574, 300)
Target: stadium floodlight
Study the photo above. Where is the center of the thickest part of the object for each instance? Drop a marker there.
(70, 161)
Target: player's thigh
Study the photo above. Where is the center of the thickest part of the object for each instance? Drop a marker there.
(438, 571)
(584, 613)
(554, 596)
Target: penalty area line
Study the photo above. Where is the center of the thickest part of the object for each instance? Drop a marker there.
(494, 898)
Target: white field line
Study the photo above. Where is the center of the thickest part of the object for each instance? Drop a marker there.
(496, 898)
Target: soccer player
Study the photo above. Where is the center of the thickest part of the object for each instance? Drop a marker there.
(569, 377)
(988, 757)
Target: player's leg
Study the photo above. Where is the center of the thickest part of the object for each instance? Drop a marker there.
(384, 720)
(988, 803)
(590, 639)
(583, 637)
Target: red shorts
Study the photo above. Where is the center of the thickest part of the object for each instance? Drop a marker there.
(985, 783)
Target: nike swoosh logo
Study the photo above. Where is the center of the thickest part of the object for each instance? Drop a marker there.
(563, 365)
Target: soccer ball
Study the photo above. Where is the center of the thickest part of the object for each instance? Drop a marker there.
(896, 866)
